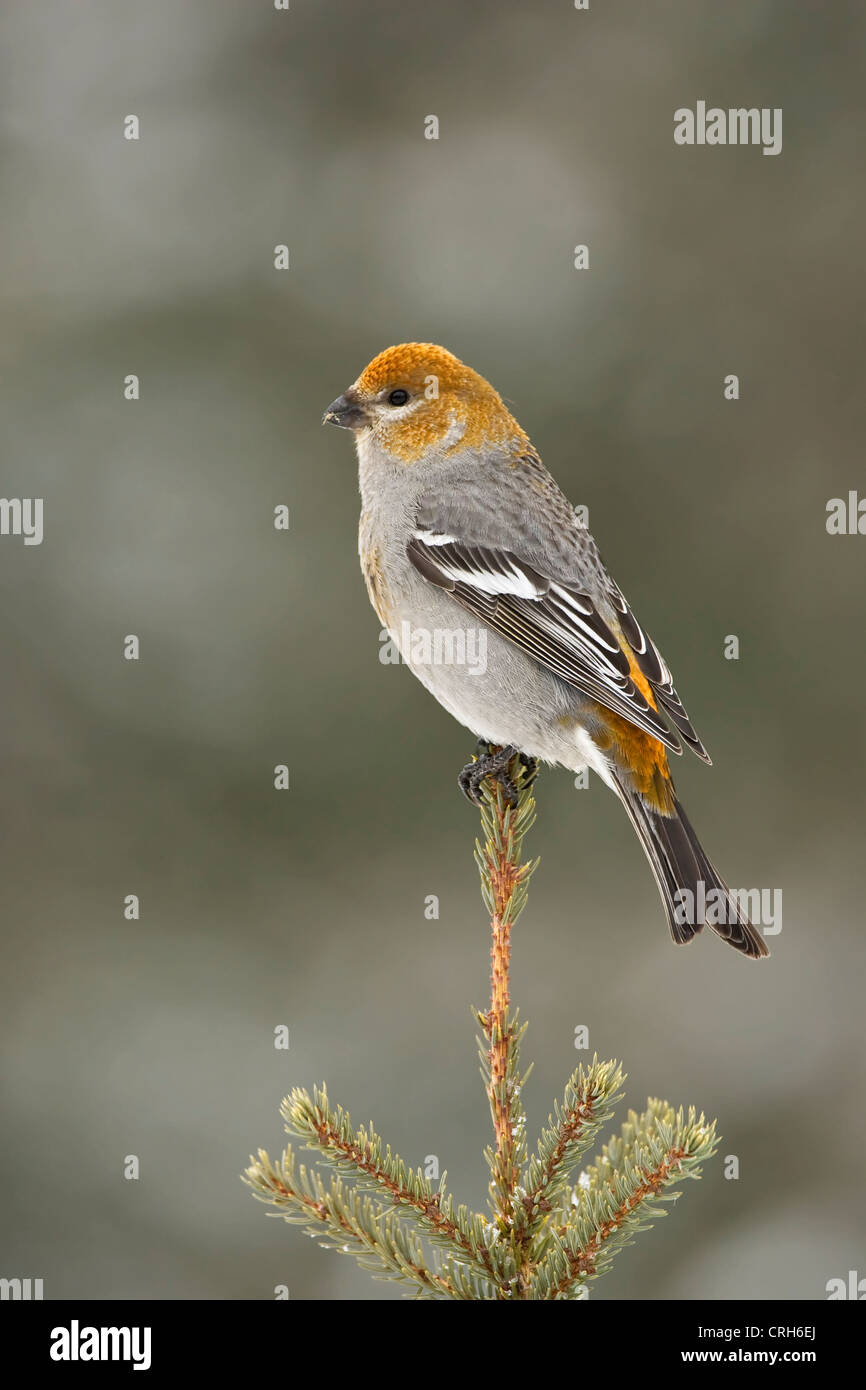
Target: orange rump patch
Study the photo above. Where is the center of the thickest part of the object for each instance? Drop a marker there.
(645, 757)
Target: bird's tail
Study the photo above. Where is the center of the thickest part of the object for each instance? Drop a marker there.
(693, 893)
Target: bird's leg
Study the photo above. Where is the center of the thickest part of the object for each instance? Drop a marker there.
(488, 763)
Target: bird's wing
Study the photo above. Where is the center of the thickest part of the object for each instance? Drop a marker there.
(654, 669)
(611, 660)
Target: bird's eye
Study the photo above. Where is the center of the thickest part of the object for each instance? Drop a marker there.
(398, 397)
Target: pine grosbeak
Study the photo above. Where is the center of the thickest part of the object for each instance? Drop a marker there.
(462, 522)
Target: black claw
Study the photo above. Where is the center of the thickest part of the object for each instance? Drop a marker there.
(494, 765)
(530, 769)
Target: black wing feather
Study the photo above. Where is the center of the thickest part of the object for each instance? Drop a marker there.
(560, 627)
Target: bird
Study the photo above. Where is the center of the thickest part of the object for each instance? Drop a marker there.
(464, 531)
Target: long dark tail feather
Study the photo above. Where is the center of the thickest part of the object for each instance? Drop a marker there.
(679, 864)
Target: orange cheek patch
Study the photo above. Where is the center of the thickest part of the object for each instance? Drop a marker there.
(411, 438)
(481, 422)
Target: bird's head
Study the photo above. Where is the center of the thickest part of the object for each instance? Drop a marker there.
(417, 399)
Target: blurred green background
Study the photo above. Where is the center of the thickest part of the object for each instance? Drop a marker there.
(306, 908)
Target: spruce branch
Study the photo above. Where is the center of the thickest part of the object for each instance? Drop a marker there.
(504, 889)
(621, 1194)
(590, 1096)
(344, 1220)
(364, 1155)
(547, 1237)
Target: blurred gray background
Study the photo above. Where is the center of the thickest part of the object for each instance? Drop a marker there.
(306, 908)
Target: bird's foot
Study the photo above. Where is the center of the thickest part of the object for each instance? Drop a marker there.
(530, 769)
(495, 765)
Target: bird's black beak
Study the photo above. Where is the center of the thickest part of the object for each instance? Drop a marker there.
(347, 412)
